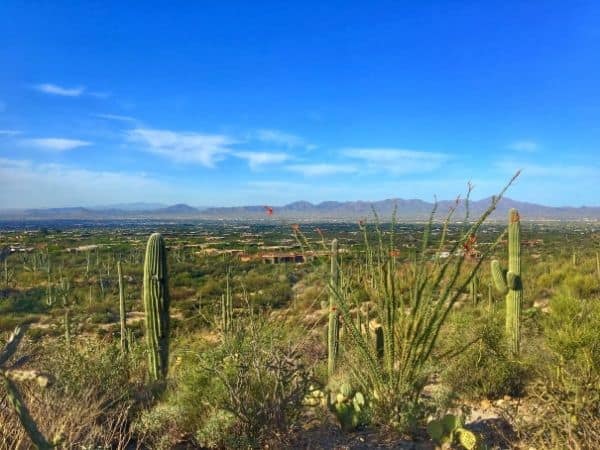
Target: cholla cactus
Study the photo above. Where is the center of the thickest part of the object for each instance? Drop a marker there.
(156, 306)
(509, 282)
(8, 377)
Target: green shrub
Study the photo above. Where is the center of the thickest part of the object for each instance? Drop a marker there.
(92, 398)
(253, 383)
(479, 364)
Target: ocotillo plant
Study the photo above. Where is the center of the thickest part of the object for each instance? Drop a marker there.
(333, 331)
(156, 306)
(598, 264)
(509, 282)
(9, 376)
(122, 313)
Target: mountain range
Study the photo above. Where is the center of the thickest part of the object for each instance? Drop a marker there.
(406, 210)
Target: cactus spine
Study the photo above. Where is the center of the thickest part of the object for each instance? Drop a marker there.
(510, 282)
(156, 306)
(333, 331)
(122, 313)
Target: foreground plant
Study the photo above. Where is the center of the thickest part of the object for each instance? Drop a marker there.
(8, 376)
(412, 301)
(509, 281)
(448, 430)
(156, 307)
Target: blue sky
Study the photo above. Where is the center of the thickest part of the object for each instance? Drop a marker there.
(228, 103)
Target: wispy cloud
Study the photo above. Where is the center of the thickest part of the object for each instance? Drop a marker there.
(56, 144)
(524, 146)
(60, 185)
(554, 171)
(54, 89)
(204, 149)
(116, 117)
(9, 132)
(258, 159)
(311, 170)
(398, 161)
(279, 138)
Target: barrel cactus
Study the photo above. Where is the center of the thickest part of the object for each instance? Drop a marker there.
(509, 282)
(156, 306)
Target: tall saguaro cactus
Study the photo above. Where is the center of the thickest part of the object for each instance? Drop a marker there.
(227, 308)
(156, 306)
(122, 312)
(333, 328)
(509, 282)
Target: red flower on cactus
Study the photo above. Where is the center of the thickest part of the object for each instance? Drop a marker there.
(361, 223)
(318, 230)
(295, 227)
(394, 253)
(269, 210)
(469, 246)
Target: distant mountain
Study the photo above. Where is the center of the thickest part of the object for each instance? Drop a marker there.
(139, 206)
(180, 209)
(407, 210)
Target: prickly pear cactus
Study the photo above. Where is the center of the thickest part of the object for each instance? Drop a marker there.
(349, 407)
(449, 429)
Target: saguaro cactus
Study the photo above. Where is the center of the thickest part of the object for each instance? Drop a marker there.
(333, 329)
(227, 308)
(510, 283)
(122, 313)
(156, 306)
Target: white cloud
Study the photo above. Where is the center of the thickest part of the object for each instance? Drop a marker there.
(310, 170)
(9, 132)
(398, 161)
(205, 149)
(54, 89)
(116, 117)
(56, 144)
(60, 185)
(279, 138)
(257, 159)
(524, 146)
